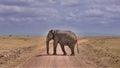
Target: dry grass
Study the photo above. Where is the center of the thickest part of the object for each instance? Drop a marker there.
(16, 49)
(18, 41)
(104, 51)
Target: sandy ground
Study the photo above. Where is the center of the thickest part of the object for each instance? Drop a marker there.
(30, 52)
(42, 60)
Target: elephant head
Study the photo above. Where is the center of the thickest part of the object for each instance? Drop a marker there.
(50, 36)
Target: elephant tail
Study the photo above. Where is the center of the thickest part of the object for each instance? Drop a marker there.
(77, 47)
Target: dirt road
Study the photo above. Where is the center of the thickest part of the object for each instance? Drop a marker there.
(42, 60)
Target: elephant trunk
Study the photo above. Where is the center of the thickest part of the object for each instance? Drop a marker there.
(47, 45)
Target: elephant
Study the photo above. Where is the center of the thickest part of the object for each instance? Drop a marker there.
(64, 38)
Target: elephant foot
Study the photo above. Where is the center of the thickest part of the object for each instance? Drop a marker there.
(54, 54)
(72, 54)
(65, 54)
(48, 53)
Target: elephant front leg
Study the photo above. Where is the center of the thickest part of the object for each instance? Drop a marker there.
(54, 48)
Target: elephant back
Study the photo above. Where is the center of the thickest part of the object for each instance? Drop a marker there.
(67, 34)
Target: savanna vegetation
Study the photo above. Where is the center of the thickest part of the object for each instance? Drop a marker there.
(16, 49)
(103, 50)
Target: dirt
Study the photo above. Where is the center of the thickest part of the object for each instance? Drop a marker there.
(9, 56)
(94, 52)
(14, 50)
(42, 60)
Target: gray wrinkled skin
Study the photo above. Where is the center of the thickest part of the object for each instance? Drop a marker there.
(62, 37)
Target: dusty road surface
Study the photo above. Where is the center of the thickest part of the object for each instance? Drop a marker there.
(42, 60)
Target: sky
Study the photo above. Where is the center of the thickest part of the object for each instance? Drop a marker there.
(37, 17)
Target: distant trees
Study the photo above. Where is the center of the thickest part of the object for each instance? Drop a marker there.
(10, 35)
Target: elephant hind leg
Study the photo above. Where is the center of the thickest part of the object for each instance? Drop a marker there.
(63, 49)
(72, 50)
